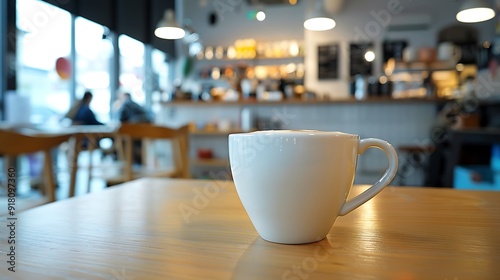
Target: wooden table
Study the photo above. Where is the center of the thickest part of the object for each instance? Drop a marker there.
(79, 133)
(138, 231)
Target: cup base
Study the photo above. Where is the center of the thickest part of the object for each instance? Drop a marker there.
(293, 243)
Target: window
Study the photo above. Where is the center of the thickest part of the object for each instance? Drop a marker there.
(159, 78)
(132, 70)
(160, 70)
(44, 65)
(43, 41)
(94, 53)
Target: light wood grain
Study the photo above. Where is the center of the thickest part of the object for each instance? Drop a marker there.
(137, 231)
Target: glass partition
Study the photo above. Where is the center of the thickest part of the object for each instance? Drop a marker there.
(159, 79)
(44, 63)
(94, 52)
(43, 59)
(132, 68)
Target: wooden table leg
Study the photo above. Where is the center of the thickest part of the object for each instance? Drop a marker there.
(49, 176)
(120, 153)
(92, 142)
(74, 149)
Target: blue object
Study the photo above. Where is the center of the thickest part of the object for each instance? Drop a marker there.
(476, 177)
(495, 158)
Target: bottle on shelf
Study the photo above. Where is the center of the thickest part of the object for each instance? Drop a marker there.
(247, 119)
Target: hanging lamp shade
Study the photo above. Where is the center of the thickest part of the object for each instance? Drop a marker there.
(319, 20)
(475, 11)
(168, 28)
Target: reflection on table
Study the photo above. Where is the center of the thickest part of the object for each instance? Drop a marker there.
(194, 229)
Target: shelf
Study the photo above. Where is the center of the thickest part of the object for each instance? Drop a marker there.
(417, 66)
(225, 80)
(214, 132)
(299, 102)
(212, 162)
(299, 57)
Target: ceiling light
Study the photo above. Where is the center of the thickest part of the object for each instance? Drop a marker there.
(319, 20)
(369, 56)
(475, 11)
(260, 16)
(168, 27)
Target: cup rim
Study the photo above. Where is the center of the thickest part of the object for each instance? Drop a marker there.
(295, 133)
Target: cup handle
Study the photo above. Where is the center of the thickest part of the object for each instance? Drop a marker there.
(389, 174)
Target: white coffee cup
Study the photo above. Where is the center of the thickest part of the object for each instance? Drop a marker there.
(294, 184)
(447, 51)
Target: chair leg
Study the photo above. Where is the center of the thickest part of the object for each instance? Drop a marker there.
(49, 177)
(119, 148)
(74, 145)
(128, 159)
(93, 142)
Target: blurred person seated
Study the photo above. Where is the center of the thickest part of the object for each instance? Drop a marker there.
(81, 114)
(131, 112)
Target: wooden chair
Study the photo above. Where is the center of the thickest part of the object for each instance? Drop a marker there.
(179, 139)
(13, 144)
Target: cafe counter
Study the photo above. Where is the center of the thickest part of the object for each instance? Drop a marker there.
(402, 122)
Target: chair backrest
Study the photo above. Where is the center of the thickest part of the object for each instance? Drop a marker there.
(179, 138)
(13, 143)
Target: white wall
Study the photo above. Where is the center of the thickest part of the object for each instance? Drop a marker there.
(285, 22)
(398, 123)
(282, 22)
(358, 15)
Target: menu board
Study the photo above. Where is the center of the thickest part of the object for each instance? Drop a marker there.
(328, 62)
(359, 65)
(469, 53)
(394, 49)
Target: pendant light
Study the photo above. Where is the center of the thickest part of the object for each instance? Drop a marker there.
(168, 28)
(319, 20)
(475, 11)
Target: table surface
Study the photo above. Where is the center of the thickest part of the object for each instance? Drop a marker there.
(195, 229)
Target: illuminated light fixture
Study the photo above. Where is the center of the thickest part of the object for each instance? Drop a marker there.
(472, 11)
(369, 56)
(168, 27)
(260, 16)
(319, 20)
